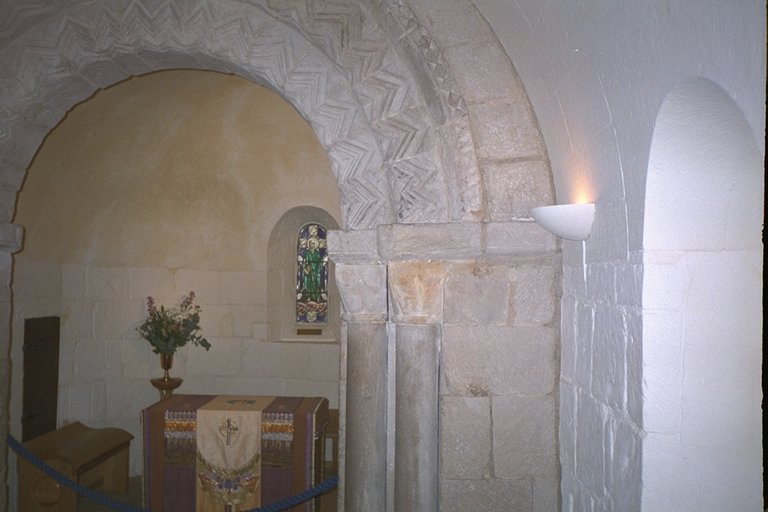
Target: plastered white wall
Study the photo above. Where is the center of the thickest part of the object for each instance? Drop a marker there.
(702, 315)
(596, 74)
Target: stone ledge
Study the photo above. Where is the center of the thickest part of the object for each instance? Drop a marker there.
(352, 246)
(470, 240)
(430, 241)
(443, 241)
(522, 237)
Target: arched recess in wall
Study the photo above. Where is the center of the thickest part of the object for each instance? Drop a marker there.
(281, 280)
(370, 78)
(702, 312)
(159, 185)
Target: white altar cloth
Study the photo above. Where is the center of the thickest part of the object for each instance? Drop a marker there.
(229, 453)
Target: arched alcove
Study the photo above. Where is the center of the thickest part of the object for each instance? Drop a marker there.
(159, 185)
(423, 167)
(701, 316)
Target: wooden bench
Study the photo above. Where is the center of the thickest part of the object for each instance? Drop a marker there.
(93, 457)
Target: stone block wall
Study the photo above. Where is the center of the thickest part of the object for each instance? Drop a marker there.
(498, 386)
(600, 384)
(105, 367)
(472, 374)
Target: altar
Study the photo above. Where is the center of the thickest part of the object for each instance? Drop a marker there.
(272, 447)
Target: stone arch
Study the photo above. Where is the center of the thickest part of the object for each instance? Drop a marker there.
(363, 100)
(406, 139)
(701, 295)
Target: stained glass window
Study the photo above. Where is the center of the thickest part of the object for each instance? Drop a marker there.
(312, 275)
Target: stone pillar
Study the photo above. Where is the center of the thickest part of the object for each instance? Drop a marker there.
(362, 284)
(416, 295)
(416, 418)
(10, 242)
(365, 464)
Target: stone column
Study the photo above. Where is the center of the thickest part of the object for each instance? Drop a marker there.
(416, 418)
(362, 284)
(365, 463)
(416, 295)
(10, 242)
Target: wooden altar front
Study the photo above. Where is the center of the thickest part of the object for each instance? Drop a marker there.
(292, 449)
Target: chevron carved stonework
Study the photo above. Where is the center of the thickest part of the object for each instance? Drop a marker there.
(331, 60)
(433, 60)
(369, 77)
(385, 88)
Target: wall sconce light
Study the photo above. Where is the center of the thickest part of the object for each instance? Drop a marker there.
(570, 221)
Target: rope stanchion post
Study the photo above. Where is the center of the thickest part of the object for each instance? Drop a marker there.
(101, 499)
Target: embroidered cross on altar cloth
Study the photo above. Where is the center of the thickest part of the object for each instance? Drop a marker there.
(229, 453)
(228, 428)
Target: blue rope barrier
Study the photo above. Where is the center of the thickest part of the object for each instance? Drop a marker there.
(101, 499)
(298, 499)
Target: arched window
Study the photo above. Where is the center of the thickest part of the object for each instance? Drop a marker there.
(312, 275)
(302, 300)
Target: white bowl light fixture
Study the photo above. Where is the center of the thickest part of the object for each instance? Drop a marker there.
(569, 221)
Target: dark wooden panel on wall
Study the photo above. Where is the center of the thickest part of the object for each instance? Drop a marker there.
(41, 376)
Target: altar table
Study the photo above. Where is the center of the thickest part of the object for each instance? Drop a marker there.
(292, 448)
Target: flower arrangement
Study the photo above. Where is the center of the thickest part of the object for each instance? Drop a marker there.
(170, 329)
